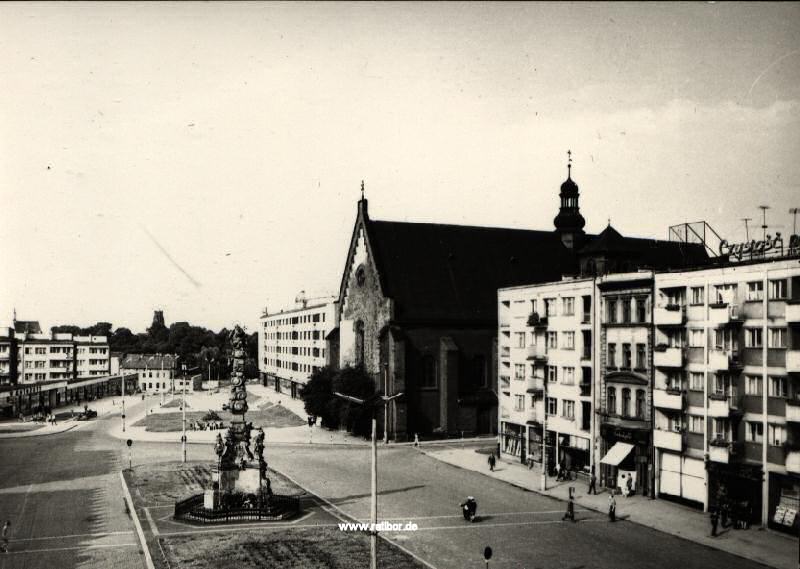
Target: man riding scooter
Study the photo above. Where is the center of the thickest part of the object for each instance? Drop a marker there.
(469, 508)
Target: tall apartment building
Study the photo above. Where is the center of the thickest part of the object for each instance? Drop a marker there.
(8, 356)
(93, 356)
(295, 343)
(45, 357)
(545, 345)
(727, 388)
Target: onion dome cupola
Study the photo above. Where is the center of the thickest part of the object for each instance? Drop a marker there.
(569, 222)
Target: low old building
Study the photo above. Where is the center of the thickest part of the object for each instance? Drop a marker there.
(157, 373)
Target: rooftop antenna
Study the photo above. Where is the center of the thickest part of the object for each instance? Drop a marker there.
(569, 163)
(794, 211)
(746, 228)
(764, 209)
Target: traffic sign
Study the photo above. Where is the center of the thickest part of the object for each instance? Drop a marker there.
(487, 553)
(129, 442)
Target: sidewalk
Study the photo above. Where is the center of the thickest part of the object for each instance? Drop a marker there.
(14, 429)
(763, 546)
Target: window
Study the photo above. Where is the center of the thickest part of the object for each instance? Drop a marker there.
(626, 402)
(696, 381)
(777, 289)
(675, 423)
(568, 376)
(755, 290)
(519, 371)
(39, 364)
(41, 350)
(552, 374)
(533, 305)
(612, 355)
(626, 310)
(552, 406)
(777, 337)
(586, 340)
(520, 339)
(754, 433)
(778, 387)
(568, 409)
(696, 424)
(698, 295)
(549, 306)
(753, 338)
(428, 372)
(611, 311)
(777, 435)
(753, 385)
(721, 430)
(641, 309)
(519, 403)
(552, 340)
(587, 308)
(626, 356)
(675, 338)
(725, 293)
(611, 403)
(674, 380)
(568, 306)
(640, 403)
(569, 340)
(697, 338)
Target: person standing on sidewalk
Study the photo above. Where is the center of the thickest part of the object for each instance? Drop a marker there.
(714, 522)
(612, 507)
(593, 483)
(492, 461)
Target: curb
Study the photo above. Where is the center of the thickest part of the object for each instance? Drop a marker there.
(601, 511)
(129, 500)
(36, 433)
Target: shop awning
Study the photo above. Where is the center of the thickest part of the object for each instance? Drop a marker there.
(617, 454)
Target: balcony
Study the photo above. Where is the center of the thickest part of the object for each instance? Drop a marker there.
(668, 357)
(535, 386)
(669, 440)
(793, 361)
(721, 406)
(793, 410)
(505, 352)
(669, 315)
(537, 352)
(537, 321)
(668, 399)
(724, 360)
(724, 451)
(793, 311)
(792, 458)
(724, 314)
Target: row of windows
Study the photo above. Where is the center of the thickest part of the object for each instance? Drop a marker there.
(727, 339)
(625, 408)
(306, 318)
(550, 306)
(292, 366)
(296, 351)
(551, 406)
(627, 355)
(626, 310)
(778, 290)
(161, 373)
(297, 335)
(724, 384)
(721, 429)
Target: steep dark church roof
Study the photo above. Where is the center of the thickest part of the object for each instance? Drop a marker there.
(452, 272)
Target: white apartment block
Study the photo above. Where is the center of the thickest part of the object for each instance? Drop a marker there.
(93, 357)
(545, 370)
(45, 357)
(294, 343)
(727, 388)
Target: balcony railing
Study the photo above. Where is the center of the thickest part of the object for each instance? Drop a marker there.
(793, 461)
(669, 315)
(793, 311)
(505, 351)
(724, 360)
(668, 357)
(537, 352)
(793, 410)
(721, 405)
(668, 399)
(670, 440)
(537, 321)
(722, 314)
(723, 450)
(793, 360)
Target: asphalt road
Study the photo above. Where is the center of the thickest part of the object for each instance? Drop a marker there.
(63, 496)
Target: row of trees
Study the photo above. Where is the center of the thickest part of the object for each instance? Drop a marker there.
(196, 345)
(334, 412)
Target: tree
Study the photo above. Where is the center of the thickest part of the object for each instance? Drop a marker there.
(357, 382)
(317, 395)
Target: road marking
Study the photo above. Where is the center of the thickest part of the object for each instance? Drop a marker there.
(132, 508)
(100, 534)
(150, 521)
(81, 547)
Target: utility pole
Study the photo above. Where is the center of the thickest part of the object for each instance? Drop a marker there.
(794, 211)
(122, 378)
(183, 409)
(386, 403)
(544, 426)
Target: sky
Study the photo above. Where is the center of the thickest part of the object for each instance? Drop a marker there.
(205, 159)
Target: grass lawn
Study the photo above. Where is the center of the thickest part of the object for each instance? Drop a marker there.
(300, 548)
(268, 415)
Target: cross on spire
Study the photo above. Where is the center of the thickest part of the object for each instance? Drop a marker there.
(569, 163)
(362, 189)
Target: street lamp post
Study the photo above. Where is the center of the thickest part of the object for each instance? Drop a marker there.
(372, 404)
(183, 409)
(122, 379)
(386, 403)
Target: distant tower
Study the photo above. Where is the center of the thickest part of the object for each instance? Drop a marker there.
(569, 222)
(158, 319)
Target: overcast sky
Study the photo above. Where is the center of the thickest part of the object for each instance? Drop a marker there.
(206, 159)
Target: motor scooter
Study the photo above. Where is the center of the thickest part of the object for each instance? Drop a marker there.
(469, 509)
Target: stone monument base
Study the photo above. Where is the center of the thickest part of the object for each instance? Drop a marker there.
(245, 481)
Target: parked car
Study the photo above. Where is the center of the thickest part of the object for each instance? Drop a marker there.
(87, 414)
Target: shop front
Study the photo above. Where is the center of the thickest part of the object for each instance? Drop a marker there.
(573, 452)
(512, 441)
(626, 454)
(784, 502)
(738, 486)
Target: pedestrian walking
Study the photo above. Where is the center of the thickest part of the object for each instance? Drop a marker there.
(570, 513)
(416, 439)
(558, 472)
(629, 486)
(4, 535)
(593, 483)
(612, 507)
(714, 522)
(492, 461)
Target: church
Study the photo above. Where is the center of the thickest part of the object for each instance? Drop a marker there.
(418, 304)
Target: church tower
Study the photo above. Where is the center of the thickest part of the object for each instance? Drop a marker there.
(569, 222)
